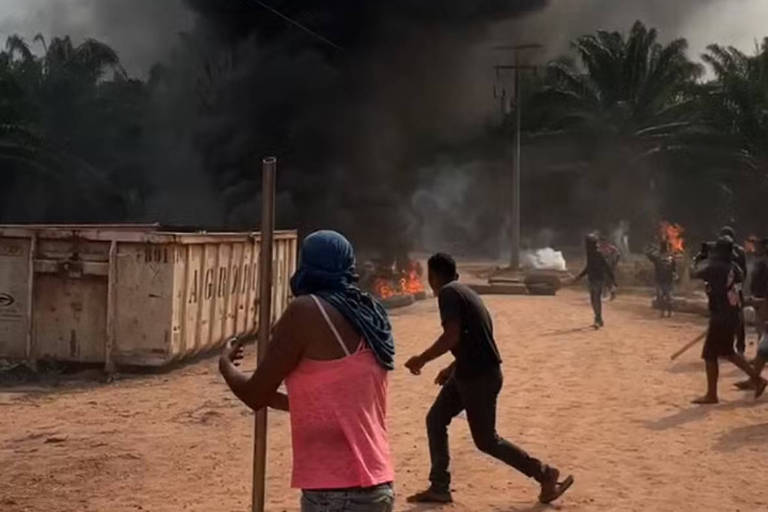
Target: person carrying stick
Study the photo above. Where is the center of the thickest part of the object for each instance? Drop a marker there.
(722, 276)
(738, 257)
(333, 346)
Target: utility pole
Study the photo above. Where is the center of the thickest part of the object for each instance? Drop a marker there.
(517, 67)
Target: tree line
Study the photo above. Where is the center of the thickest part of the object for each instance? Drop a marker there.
(652, 134)
(624, 127)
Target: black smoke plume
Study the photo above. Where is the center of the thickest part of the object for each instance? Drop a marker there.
(351, 121)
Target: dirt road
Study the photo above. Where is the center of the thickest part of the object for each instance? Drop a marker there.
(607, 406)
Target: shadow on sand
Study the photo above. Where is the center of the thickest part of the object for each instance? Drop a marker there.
(742, 436)
(727, 369)
(564, 332)
(696, 413)
(538, 507)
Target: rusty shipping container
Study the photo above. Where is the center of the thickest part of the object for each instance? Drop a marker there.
(131, 294)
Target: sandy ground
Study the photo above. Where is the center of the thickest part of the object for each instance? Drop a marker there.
(607, 406)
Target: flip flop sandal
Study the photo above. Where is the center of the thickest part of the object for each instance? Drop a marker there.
(560, 489)
(744, 385)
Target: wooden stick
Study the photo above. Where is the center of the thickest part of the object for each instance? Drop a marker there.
(689, 345)
(269, 168)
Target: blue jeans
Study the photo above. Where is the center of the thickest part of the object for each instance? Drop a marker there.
(375, 499)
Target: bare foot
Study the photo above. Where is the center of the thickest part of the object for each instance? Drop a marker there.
(705, 400)
(745, 384)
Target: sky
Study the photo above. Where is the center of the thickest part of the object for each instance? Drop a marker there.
(142, 31)
(731, 22)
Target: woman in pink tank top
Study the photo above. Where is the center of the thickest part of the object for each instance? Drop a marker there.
(333, 348)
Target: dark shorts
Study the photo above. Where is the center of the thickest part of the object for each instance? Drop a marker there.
(720, 335)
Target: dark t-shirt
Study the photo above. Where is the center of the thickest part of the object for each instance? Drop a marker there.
(720, 277)
(739, 257)
(598, 270)
(476, 352)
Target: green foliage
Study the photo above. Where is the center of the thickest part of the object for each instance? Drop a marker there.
(626, 123)
(67, 132)
(647, 133)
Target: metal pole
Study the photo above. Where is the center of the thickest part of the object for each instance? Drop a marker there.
(109, 364)
(269, 169)
(515, 228)
(31, 352)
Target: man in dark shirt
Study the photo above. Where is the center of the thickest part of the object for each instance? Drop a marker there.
(738, 256)
(722, 276)
(472, 383)
(600, 275)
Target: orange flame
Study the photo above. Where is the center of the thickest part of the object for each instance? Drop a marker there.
(403, 282)
(411, 280)
(383, 289)
(673, 235)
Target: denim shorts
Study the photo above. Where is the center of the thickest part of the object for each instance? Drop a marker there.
(375, 499)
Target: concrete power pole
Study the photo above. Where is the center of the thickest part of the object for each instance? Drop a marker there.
(514, 233)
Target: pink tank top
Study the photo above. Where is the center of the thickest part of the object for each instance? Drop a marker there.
(338, 412)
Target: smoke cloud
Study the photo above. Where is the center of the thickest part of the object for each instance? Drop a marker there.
(142, 31)
(351, 125)
(377, 137)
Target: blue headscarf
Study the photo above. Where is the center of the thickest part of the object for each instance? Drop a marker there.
(327, 269)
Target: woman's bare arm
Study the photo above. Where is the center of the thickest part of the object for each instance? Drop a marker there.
(283, 355)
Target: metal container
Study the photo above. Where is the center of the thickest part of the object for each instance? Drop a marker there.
(131, 294)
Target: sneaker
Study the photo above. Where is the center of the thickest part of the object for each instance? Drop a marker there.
(431, 496)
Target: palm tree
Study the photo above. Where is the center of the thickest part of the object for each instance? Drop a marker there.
(737, 100)
(615, 113)
(64, 124)
(735, 114)
(628, 87)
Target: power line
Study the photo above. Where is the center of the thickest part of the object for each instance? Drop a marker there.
(297, 24)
